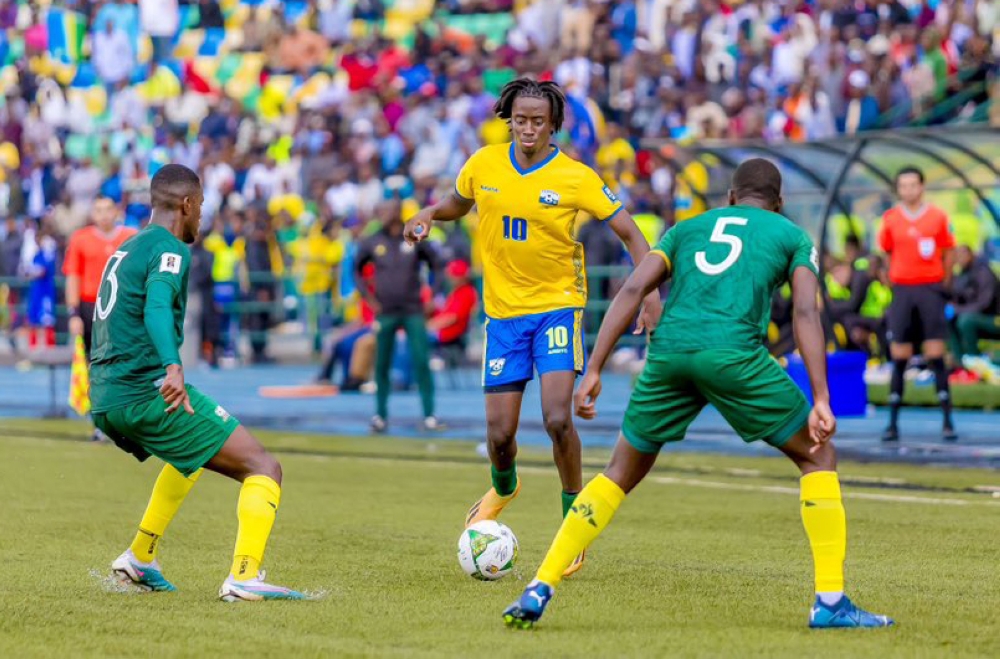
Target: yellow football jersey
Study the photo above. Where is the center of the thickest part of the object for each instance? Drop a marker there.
(531, 261)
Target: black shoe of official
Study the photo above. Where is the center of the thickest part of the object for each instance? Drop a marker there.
(891, 435)
(948, 434)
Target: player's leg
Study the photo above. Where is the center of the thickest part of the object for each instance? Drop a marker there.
(934, 322)
(825, 523)
(503, 412)
(385, 348)
(558, 353)
(507, 367)
(243, 459)
(900, 319)
(660, 410)
(761, 402)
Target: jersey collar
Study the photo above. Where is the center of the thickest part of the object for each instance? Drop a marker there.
(536, 166)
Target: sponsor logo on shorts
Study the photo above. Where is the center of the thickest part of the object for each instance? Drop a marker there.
(549, 198)
(221, 413)
(496, 366)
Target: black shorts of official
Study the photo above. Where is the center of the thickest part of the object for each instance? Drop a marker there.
(87, 315)
(917, 314)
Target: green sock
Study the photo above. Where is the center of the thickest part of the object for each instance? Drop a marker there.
(567, 500)
(504, 482)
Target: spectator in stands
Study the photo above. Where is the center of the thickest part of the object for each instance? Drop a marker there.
(228, 247)
(112, 55)
(398, 306)
(449, 325)
(42, 292)
(260, 242)
(975, 294)
(918, 239)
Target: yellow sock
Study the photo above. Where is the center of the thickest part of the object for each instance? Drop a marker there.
(590, 513)
(256, 510)
(169, 493)
(826, 525)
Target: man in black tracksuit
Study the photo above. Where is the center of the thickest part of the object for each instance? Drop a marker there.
(398, 305)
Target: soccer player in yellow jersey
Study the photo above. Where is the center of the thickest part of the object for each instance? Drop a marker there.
(528, 194)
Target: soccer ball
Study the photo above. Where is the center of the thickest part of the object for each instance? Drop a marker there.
(487, 550)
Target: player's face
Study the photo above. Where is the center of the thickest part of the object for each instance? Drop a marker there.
(531, 124)
(910, 189)
(191, 217)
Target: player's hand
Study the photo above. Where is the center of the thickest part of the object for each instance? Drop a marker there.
(76, 326)
(649, 315)
(585, 399)
(822, 425)
(174, 392)
(418, 228)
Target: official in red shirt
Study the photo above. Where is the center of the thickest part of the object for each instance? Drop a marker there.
(451, 322)
(88, 252)
(917, 237)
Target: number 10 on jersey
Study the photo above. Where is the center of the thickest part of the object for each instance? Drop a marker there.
(515, 228)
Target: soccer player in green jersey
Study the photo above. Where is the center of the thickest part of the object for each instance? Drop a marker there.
(708, 348)
(140, 400)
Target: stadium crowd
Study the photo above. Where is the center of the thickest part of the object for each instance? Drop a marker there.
(317, 125)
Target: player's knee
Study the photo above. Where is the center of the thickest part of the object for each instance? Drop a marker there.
(265, 464)
(824, 459)
(501, 437)
(558, 424)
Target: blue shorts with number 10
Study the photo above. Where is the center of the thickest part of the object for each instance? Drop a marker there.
(517, 347)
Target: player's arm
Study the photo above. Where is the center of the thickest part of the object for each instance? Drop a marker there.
(366, 255)
(451, 208)
(163, 286)
(628, 232)
(809, 337)
(647, 277)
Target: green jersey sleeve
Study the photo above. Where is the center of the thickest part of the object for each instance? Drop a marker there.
(168, 264)
(159, 321)
(803, 254)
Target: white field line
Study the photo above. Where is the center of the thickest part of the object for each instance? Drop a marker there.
(719, 485)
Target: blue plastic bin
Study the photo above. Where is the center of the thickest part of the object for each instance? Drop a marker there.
(846, 375)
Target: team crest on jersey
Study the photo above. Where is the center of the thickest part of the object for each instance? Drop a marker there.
(610, 195)
(221, 413)
(496, 366)
(549, 198)
(170, 263)
(380, 250)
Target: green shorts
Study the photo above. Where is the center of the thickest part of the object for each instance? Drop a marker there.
(186, 441)
(748, 387)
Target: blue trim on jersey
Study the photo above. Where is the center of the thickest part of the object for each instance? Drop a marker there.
(536, 166)
(617, 210)
(462, 195)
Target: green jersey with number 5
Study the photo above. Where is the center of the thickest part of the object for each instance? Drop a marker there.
(124, 365)
(725, 265)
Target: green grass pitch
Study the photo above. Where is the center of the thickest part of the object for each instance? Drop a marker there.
(707, 559)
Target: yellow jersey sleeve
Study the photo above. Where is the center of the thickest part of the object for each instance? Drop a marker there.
(465, 183)
(593, 197)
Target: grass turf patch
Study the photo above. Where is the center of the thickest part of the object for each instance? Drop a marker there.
(707, 559)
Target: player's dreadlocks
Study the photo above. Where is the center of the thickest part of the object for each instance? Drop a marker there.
(526, 87)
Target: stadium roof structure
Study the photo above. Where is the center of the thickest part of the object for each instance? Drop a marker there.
(833, 177)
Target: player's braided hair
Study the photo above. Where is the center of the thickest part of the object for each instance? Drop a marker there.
(526, 87)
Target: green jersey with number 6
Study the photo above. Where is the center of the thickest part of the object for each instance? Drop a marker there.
(725, 265)
(124, 365)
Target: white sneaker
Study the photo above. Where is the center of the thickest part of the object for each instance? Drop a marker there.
(378, 424)
(431, 424)
(255, 590)
(147, 576)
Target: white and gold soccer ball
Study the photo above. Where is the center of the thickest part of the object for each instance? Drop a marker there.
(487, 550)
